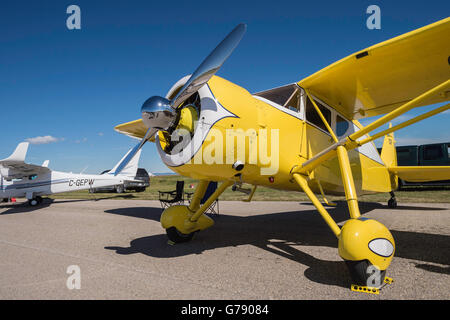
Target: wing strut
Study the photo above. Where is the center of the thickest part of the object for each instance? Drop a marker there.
(325, 122)
(352, 142)
(442, 89)
(341, 148)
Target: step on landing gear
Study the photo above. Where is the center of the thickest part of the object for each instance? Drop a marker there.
(372, 290)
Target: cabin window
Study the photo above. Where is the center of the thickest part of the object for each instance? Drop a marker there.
(432, 152)
(341, 126)
(293, 103)
(287, 96)
(313, 117)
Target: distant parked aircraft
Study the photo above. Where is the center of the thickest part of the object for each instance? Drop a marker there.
(22, 180)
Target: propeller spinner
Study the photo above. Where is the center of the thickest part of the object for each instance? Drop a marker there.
(159, 113)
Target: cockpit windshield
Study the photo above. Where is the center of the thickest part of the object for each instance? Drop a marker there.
(287, 96)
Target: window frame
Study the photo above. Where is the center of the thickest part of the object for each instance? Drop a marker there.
(299, 114)
(334, 115)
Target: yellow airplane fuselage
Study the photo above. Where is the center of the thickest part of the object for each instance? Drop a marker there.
(290, 142)
(301, 136)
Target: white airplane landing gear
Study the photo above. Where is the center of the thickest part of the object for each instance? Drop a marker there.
(35, 201)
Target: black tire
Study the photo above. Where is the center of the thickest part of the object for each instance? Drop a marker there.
(39, 199)
(33, 202)
(177, 237)
(392, 203)
(360, 273)
(5, 200)
(120, 189)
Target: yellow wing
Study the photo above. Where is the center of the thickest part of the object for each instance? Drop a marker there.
(421, 174)
(380, 78)
(134, 129)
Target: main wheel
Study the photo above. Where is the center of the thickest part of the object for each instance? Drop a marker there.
(120, 189)
(392, 203)
(363, 273)
(33, 202)
(177, 237)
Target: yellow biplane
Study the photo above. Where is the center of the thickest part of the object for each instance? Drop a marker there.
(303, 136)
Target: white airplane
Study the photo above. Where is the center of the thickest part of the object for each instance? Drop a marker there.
(22, 180)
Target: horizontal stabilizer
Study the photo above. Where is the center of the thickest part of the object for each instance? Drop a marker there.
(421, 174)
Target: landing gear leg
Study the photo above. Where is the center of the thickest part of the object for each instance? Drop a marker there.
(392, 203)
(366, 245)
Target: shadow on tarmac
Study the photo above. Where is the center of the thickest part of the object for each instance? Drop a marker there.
(280, 232)
(24, 207)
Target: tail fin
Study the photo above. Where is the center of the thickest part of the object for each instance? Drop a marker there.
(131, 168)
(19, 154)
(388, 152)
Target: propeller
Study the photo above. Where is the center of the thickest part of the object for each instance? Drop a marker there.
(159, 113)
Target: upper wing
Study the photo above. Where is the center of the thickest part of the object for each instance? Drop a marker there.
(421, 174)
(380, 78)
(14, 167)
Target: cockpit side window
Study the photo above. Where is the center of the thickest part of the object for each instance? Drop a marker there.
(287, 96)
(313, 117)
(342, 126)
(293, 103)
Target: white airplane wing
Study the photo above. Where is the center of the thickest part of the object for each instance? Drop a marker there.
(14, 167)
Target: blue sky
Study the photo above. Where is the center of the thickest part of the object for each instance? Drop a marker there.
(76, 85)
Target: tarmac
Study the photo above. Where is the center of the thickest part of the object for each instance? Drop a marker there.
(117, 249)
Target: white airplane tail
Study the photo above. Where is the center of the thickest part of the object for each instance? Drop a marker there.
(19, 154)
(130, 169)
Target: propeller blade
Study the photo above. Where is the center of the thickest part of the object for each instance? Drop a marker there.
(210, 65)
(150, 133)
